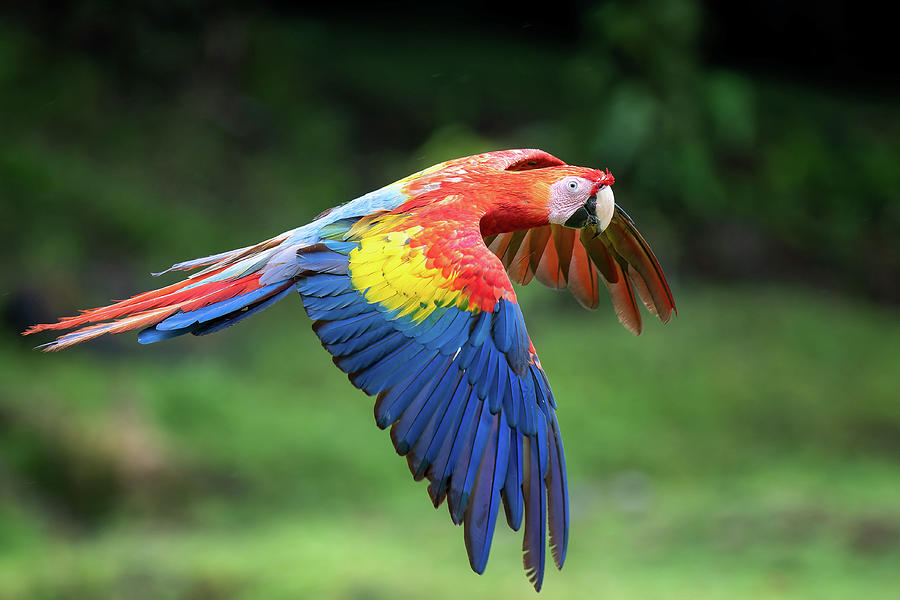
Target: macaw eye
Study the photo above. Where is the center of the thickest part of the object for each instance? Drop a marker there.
(573, 186)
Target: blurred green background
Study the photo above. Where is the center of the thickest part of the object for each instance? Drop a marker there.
(749, 449)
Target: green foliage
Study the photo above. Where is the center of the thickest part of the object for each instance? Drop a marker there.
(748, 449)
(262, 123)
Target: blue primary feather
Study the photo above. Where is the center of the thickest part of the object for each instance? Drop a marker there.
(452, 344)
(510, 335)
(518, 352)
(392, 403)
(393, 368)
(446, 458)
(378, 330)
(527, 417)
(456, 470)
(461, 444)
(541, 394)
(479, 363)
(461, 485)
(541, 377)
(491, 372)
(467, 354)
(534, 541)
(557, 499)
(512, 488)
(481, 329)
(503, 328)
(358, 361)
(512, 401)
(498, 391)
(417, 457)
(481, 516)
(450, 416)
(416, 417)
(543, 447)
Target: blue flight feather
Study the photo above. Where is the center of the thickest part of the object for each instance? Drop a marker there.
(238, 316)
(461, 487)
(466, 355)
(151, 334)
(448, 419)
(503, 327)
(416, 417)
(481, 329)
(445, 460)
(333, 332)
(393, 368)
(499, 390)
(377, 331)
(325, 285)
(481, 517)
(512, 401)
(181, 320)
(493, 369)
(392, 403)
(534, 542)
(557, 499)
(512, 488)
(461, 443)
(479, 363)
(444, 339)
(365, 357)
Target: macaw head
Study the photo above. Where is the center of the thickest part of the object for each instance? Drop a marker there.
(582, 198)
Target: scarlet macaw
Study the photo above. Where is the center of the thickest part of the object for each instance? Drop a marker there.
(410, 289)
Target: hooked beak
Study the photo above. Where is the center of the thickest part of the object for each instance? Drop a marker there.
(596, 213)
(605, 206)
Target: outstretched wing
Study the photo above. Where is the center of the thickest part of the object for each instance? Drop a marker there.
(444, 346)
(619, 257)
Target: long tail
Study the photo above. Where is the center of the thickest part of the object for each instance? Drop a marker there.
(233, 286)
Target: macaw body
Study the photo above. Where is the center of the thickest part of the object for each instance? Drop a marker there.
(410, 289)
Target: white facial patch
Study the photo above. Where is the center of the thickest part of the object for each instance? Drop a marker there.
(566, 196)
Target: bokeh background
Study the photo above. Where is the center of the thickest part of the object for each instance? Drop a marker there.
(749, 449)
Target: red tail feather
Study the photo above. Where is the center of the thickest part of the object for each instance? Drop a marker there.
(147, 309)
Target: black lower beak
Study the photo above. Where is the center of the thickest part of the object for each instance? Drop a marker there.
(585, 214)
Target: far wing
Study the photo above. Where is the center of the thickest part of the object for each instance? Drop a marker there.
(619, 257)
(461, 388)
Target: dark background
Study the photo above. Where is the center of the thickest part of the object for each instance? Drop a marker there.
(748, 449)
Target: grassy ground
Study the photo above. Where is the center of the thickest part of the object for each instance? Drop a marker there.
(747, 450)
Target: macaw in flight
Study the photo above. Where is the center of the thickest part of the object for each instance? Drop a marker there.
(410, 289)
